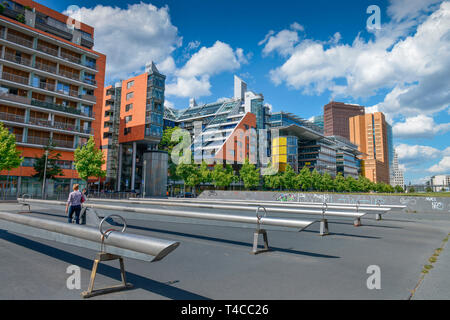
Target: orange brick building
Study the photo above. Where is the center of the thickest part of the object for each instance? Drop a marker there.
(51, 89)
(369, 132)
(132, 120)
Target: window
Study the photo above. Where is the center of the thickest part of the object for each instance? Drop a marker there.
(130, 95)
(128, 119)
(130, 84)
(126, 131)
(128, 107)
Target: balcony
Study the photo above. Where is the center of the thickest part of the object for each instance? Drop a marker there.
(69, 92)
(45, 67)
(45, 86)
(42, 24)
(89, 97)
(90, 65)
(19, 40)
(70, 58)
(47, 50)
(14, 78)
(63, 143)
(19, 137)
(38, 140)
(15, 98)
(69, 75)
(12, 13)
(11, 117)
(90, 81)
(17, 59)
(66, 126)
(53, 106)
(40, 122)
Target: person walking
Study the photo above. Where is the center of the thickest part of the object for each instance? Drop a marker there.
(74, 204)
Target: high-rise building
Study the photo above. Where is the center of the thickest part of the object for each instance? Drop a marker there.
(336, 115)
(369, 132)
(51, 89)
(132, 129)
(318, 121)
(397, 177)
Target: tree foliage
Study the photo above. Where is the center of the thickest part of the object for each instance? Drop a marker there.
(89, 161)
(250, 175)
(52, 170)
(9, 155)
(223, 177)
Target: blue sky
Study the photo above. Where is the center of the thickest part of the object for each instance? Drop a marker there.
(314, 51)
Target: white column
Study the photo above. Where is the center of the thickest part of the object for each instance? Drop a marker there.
(133, 167)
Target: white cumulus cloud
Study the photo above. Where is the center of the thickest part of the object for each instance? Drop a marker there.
(420, 126)
(131, 37)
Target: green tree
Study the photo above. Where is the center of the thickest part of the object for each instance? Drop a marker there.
(339, 183)
(250, 175)
(399, 189)
(89, 161)
(166, 144)
(273, 182)
(53, 170)
(223, 177)
(289, 179)
(316, 180)
(351, 184)
(363, 184)
(205, 173)
(304, 179)
(429, 190)
(327, 182)
(9, 155)
(411, 190)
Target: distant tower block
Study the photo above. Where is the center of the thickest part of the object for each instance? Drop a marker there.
(240, 87)
(192, 103)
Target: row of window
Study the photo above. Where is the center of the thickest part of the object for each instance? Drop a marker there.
(63, 164)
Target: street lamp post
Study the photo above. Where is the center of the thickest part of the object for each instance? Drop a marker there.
(144, 170)
(45, 174)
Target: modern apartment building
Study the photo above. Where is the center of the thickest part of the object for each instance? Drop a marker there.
(336, 115)
(397, 176)
(319, 121)
(132, 128)
(51, 88)
(301, 143)
(224, 131)
(370, 133)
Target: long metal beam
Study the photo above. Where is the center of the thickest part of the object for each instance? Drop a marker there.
(155, 247)
(265, 202)
(254, 203)
(278, 222)
(323, 213)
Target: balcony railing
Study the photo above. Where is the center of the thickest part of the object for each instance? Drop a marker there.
(11, 117)
(40, 122)
(17, 59)
(70, 58)
(63, 143)
(89, 97)
(66, 126)
(90, 65)
(15, 98)
(19, 137)
(38, 140)
(90, 81)
(69, 74)
(14, 78)
(53, 106)
(45, 67)
(19, 40)
(45, 86)
(48, 50)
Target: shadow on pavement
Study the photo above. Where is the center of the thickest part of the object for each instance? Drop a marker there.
(106, 270)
